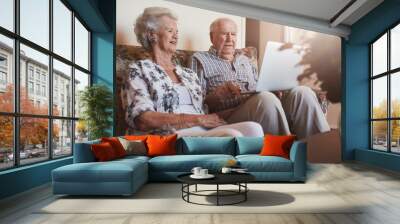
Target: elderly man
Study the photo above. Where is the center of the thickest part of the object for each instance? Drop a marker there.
(228, 78)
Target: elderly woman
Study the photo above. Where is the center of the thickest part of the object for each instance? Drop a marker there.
(165, 97)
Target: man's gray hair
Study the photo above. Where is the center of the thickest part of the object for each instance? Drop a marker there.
(148, 21)
(216, 22)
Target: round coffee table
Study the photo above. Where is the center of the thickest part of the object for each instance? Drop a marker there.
(238, 179)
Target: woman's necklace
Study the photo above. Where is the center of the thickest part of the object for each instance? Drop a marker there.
(170, 70)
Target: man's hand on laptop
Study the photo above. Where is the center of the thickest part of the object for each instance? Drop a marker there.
(228, 90)
(221, 93)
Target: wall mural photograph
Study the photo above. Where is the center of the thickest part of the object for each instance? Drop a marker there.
(229, 110)
(196, 72)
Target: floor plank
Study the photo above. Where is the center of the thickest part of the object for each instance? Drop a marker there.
(377, 190)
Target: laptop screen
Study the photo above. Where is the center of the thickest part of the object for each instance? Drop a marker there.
(280, 67)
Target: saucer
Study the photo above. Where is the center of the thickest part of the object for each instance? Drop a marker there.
(208, 176)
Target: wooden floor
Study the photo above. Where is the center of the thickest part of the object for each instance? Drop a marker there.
(377, 188)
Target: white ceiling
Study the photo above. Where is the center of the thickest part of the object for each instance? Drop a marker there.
(313, 15)
(320, 9)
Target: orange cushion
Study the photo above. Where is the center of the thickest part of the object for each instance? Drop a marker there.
(103, 151)
(275, 145)
(161, 145)
(135, 137)
(116, 145)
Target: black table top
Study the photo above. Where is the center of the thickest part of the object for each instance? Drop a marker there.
(220, 178)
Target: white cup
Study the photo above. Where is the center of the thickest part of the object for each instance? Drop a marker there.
(226, 170)
(203, 172)
(196, 171)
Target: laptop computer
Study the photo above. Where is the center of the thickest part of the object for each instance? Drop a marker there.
(280, 67)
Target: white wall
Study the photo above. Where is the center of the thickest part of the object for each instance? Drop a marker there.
(193, 23)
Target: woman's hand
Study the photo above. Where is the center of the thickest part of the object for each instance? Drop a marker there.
(151, 120)
(278, 94)
(225, 114)
(211, 121)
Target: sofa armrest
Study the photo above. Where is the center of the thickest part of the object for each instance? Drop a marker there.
(298, 155)
(83, 152)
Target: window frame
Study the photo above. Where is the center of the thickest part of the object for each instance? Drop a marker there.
(3, 74)
(5, 58)
(3, 70)
(388, 74)
(15, 71)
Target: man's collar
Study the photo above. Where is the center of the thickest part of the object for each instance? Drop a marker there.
(213, 51)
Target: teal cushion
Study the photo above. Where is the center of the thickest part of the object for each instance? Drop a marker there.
(83, 152)
(111, 171)
(185, 163)
(207, 145)
(249, 145)
(257, 163)
(133, 158)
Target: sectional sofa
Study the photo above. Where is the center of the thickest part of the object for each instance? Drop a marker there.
(125, 176)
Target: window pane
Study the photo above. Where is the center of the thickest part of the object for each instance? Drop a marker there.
(81, 131)
(62, 29)
(62, 89)
(35, 21)
(395, 47)
(34, 79)
(379, 55)
(62, 138)
(81, 81)
(379, 135)
(81, 45)
(7, 14)
(6, 74)
(33, 139)
(395, 94)
(6, 142)
(395, 136)
(379, 97)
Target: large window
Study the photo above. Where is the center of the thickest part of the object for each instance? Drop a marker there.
(385, 91)
(44, 64)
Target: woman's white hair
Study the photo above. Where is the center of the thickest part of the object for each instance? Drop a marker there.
(148, 21)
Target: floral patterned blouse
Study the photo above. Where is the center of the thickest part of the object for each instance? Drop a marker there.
(149, 88)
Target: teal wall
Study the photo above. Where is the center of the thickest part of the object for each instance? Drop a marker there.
(99, 16)
(380, 159)
(103, 49)
(356, 99)
(356, 84)
(102, 59)
(24, 178)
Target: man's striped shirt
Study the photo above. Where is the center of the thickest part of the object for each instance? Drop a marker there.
(214, 71)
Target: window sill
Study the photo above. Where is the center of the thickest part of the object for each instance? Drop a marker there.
(390, 161)
(26, 167)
